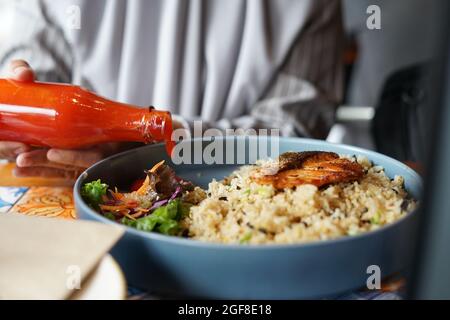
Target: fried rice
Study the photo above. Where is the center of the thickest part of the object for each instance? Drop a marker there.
(237, 210)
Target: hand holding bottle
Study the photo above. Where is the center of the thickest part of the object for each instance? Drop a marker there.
(42, 162)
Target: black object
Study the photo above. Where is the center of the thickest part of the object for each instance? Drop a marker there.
(398, 127)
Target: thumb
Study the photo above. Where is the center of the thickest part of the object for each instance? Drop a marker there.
(20, 70)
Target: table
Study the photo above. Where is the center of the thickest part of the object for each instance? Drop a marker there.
(35, 196)
(53, 198)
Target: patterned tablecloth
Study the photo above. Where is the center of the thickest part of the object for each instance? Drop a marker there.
(57, 202)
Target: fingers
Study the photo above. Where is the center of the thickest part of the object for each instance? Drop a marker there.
(77, 158)
(56, 163)
(32, 158)
(46, 172)
(35, 163)
(20, 70)
(10, 150)
(38, 158)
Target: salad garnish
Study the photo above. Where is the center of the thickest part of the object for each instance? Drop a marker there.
(157, 205)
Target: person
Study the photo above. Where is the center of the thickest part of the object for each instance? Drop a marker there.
(246, 64)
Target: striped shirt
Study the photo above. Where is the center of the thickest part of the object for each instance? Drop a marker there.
(246, 64)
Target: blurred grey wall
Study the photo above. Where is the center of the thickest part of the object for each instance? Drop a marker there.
(404, 39)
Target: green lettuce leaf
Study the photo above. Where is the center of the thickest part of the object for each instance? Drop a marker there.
(93, 192)
(163, 220)
(109, 216)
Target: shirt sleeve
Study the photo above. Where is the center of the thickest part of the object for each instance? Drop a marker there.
(38, 40)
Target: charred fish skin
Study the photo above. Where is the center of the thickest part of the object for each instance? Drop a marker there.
(318, 168)
(295, 160)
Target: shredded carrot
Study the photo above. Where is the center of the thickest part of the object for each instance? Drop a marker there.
(127, 214)
(143, 189)
(140, 212)
(113, 208)
(156, 166)
(116, 195)
(132, 204)
(122, 209)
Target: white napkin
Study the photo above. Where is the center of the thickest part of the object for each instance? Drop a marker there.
(45, 258)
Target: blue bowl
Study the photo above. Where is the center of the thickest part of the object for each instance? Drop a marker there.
(187, 268)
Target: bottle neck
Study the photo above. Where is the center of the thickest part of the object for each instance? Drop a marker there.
(156, 126)
(147, 125)
(159, 128)
(125, 122)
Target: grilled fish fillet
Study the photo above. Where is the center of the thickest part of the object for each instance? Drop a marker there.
(312, 167)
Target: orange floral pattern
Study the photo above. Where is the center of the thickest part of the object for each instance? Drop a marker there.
(47, 202)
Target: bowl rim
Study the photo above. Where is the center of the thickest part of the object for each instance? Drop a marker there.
(79, 203)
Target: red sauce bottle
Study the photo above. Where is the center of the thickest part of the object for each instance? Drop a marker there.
(70, 117)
